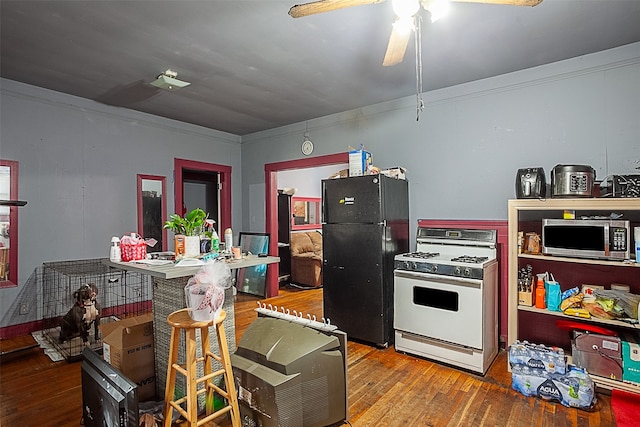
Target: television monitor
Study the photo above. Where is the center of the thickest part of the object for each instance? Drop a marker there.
(289, 374)
(108, 397)
(253, 280)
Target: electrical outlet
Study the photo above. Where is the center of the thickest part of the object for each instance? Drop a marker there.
(24, 308)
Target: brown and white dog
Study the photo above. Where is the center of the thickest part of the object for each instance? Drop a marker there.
(79, 318)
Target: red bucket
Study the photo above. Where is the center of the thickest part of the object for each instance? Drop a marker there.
(133, 248)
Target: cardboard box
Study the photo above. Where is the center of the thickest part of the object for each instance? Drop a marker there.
(631, 358)
(128, 347)
(599, 354)
(359, 161)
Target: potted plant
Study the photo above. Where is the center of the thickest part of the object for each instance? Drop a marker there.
(191, 226)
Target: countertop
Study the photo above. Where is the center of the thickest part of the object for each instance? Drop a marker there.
(171, 271)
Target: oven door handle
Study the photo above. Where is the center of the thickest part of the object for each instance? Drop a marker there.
(451, 280)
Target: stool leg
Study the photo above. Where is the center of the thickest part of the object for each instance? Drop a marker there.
(206, 349)
(171, 377)
(192, 375)
(228, 374)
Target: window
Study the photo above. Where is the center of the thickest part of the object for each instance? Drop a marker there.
(9, 223)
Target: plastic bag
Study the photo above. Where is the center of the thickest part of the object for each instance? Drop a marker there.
(617, 303)
(204, 292)
(553, 293)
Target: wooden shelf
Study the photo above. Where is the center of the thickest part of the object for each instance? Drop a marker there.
(609, 384)
(585, 204)
(578, 319)
(12, 202)
(556, 258)
(531, 210)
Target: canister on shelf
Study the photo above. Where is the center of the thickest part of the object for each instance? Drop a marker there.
(179, 245)
(540, 294)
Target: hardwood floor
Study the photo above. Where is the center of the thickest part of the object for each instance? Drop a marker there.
(386, 388)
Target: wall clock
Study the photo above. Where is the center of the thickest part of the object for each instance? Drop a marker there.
(307, 147)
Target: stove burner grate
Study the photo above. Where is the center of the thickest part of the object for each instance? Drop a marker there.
(422, 255)
(470, 259)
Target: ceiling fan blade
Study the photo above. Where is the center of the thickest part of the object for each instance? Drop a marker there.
(397, 47)
(505, 2)
(321, 6)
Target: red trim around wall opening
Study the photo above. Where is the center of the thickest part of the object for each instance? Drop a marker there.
(271, 203)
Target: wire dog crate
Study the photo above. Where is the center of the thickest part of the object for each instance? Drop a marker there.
(121, 294)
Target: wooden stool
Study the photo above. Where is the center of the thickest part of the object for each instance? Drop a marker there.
(182, 320)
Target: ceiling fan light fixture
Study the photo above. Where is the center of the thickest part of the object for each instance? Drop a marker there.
(437, 8)
(168, 80)
(405, 8)
(404, 25)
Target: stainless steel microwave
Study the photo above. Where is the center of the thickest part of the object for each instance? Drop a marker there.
(586, 238)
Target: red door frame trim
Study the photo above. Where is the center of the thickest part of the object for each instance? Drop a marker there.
(271, 203)
(225, 194)
(13, 222)
(163, 203)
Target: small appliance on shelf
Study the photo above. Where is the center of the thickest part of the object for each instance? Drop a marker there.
(572, 181)
(531, 183)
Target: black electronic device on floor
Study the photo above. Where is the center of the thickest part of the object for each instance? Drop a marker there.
(291, 370)
(108, 397)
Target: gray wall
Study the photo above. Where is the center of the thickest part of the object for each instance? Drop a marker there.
(78, 162)
(79, 159)
(463, 153)
(307, 181)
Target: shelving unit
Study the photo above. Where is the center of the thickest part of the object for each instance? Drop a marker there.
(284, 237)
(523, 213)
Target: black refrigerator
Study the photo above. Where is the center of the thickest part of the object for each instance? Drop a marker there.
(365, 224)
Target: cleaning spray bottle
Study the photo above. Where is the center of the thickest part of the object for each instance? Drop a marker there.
(215, 240)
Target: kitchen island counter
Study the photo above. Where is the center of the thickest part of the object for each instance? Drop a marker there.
(168, 282)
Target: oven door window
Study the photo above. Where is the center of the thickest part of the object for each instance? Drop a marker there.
(436, 298)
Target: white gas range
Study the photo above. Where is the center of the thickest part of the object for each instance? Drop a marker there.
(446, 297)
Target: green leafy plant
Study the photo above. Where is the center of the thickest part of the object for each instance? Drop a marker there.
(189, 225)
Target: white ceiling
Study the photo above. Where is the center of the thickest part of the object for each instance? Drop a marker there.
(253, 67)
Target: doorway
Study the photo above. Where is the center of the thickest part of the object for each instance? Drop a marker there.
(271, 203)
(206, 186)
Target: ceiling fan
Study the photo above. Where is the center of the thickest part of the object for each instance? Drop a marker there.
(405, 11)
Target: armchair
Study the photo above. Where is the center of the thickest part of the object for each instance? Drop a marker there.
(306, 258)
